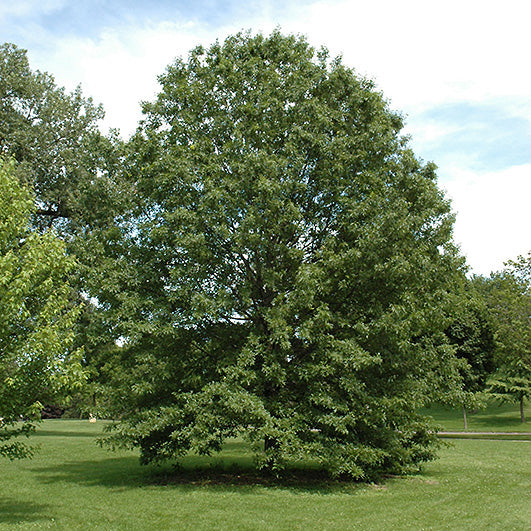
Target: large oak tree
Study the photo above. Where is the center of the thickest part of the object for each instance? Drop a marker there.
(289, 265)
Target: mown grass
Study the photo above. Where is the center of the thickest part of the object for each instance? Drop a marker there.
(73, 484)
(495, 417)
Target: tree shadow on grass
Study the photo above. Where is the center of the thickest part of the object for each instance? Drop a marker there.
(13, 511)
(127, 473)
(496, 422)
(237, 477)
(63, 433)
(110, 472)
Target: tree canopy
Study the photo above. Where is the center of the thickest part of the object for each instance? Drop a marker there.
(54, 137)
(287, 269)
(471, 332)
(508, 296)
(36, 316)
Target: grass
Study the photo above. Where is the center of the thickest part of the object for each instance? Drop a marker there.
(73, 484)
(494, 418)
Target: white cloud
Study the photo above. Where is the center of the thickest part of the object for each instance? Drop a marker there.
(424, 52)
(425, 133)
(120, 68)
(493, 215)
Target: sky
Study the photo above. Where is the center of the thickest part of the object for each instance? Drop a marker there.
(457, 70)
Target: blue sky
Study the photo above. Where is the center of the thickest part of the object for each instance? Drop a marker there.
(458, 70)
(487, 135)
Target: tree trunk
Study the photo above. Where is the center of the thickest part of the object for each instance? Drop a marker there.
(522, 416)
(464, 418)
(270, 443)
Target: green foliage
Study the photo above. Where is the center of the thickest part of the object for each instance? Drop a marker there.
(36, 317)
(75, 172)
(54, 138)
(508, 295)
(288, 269)
(471, 332)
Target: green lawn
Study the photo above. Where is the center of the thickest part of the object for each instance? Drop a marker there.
(496, 417)
(73, 484)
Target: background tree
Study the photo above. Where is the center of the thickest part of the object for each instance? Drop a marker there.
(288, 268)
(36, 317)
(508, 295)
(472, 334)
(54, 138)
(75, 173)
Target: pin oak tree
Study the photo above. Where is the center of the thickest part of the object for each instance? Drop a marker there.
(289, 266)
